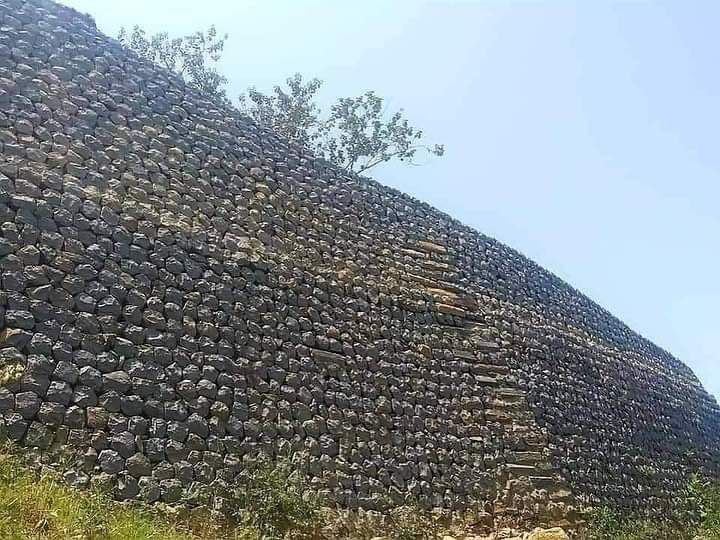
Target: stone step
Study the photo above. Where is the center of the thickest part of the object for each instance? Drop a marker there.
(493, 415)
(479, 344)
(535, 446)
(482, 346)
(428, 247)
(461, 331)
(505, 402)
(509, 392)
(544, 481)
(451, 287)
(447, 297)
(524, 458)
(523, 446)
(476, 317)
(478, 326)
(516, 417)
(540, 478)
(448, 309)
(461, 341)
(465, 355)
(414, 253)
(519, 470)
(506, 405)
(458, 288)
(487, 346)
(492, 368)
(485, 380)
(422, 280)
(437, 275)
(561, 495)
(434, 264)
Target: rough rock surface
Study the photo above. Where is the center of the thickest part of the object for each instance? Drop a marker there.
(185, 291)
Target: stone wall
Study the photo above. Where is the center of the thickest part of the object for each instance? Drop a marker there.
(183, 291)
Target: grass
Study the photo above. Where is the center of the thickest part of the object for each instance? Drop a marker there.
(273, 501)
(610, 525)
(36, 506)
(696, 517)
(42, 507)
(402, 523)
(273, 498)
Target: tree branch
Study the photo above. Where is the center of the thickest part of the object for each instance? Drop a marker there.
(378, 160)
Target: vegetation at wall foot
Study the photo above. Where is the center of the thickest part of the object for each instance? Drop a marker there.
(696, 516)
(272, 502)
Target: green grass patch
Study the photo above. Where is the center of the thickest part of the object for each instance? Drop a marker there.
(272, 501)
(34, 506)
(696, 517)
(274, 498)
(42, 506)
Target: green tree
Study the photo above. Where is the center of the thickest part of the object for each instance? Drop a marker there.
(356, 134)
(292, 112)
(193, 57)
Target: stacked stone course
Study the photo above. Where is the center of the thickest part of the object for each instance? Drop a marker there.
(183, 291)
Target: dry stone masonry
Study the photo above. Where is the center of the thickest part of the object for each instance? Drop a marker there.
(183, 291)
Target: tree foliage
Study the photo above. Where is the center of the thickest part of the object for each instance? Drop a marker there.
(357, 133)
(291, 112)
(359, 136)
(193, 57)
(275, 498)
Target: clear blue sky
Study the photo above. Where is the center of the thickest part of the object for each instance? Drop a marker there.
(584, 134)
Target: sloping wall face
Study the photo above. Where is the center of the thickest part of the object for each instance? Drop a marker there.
(182, 291)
